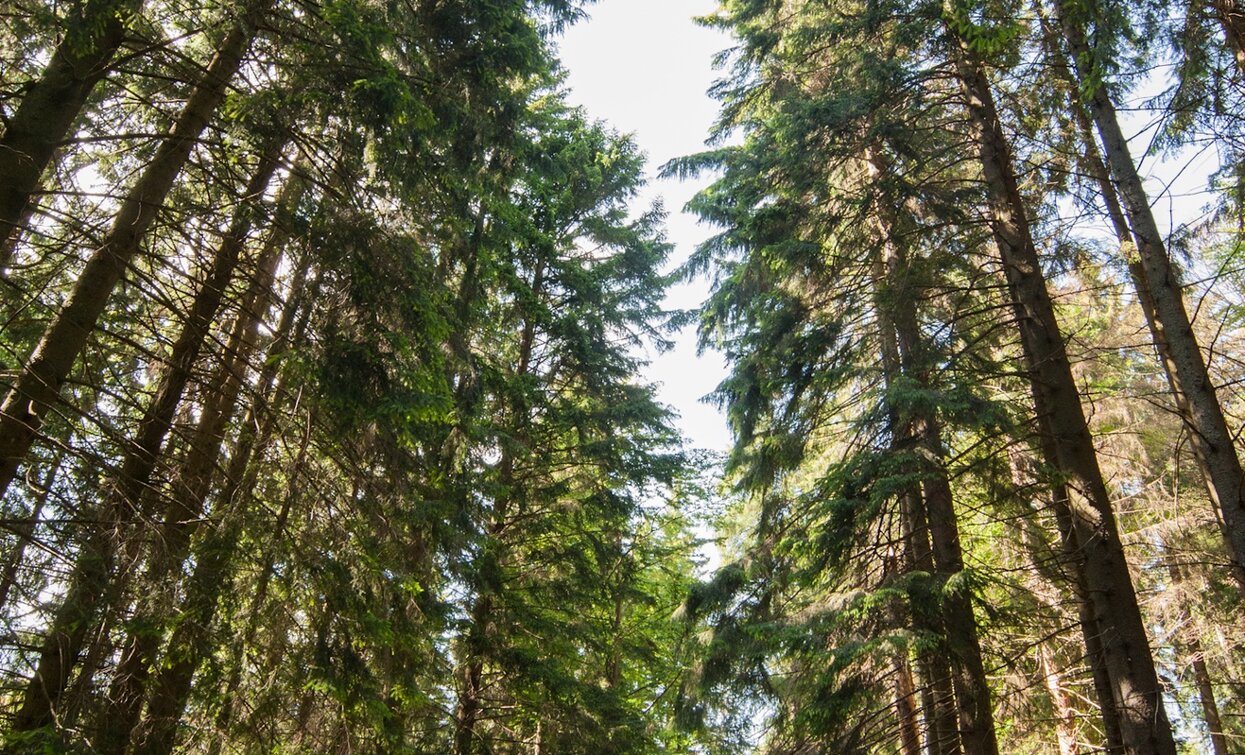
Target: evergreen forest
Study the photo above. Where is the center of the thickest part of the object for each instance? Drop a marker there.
(326, 425)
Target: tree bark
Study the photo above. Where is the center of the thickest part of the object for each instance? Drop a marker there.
(1065, 715)
(52, 105)
(1136, 692)
(39, 384)
(1231, 17)
(184, 511)
(1182, 355)
(923, 432)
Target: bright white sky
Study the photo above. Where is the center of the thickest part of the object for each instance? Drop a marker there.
(643, 66)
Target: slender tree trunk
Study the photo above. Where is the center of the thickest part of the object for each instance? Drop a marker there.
(1065, 714)
(972, 689)
(39, 383)
(937, 696)
(905, 708)
(1137, 693)
(1203, 415)
(53, 103)
(1206, 696)
(25, 530)
(470, 700)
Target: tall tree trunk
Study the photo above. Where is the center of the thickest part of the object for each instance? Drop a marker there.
(53, 103)
(905, 708)
(25, 530)
(1136, 691)
(189, 644)
(38, 385)
(1065, 714)
(1206, 696)
(184, 511)
(1231, 17)
(897, 300)
(470, 698)
(92, 583)
(1186, 367)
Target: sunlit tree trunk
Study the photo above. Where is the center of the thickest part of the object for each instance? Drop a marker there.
(51, 106)
(1209, 434)
(1137, 694)
(38, 385)
(1065, 714)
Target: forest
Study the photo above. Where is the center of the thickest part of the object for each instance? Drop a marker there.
(325, 423)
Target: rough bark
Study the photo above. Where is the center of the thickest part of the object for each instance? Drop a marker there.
(53, 103)
(184, 512)
(1136, 692)
(38, 385)
(1183, 358)
(897, 300)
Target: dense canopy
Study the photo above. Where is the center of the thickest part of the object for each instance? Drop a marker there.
(326, 428)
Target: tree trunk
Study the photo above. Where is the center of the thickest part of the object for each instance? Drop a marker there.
(38, 386)
(93, 585)
(470, 699)
(1186, 367)
(25, 531)
(184, 512)
(972, 690)
(1206, 696)
(905, 708)
(1136, 691)
(1065, 714)
(1232, 18)
(189, 644)
(52, 104)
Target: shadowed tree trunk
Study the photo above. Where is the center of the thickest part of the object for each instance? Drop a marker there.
(52, 104)
(38, 385)
(1136, 692)
(972, 690)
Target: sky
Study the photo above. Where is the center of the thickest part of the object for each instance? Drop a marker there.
(644, 67)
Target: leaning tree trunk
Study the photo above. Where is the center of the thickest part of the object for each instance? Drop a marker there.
(52, 104)
(1136, 692)
(216, 554)
(38, 385)
(184, 513)
(1209, 434)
